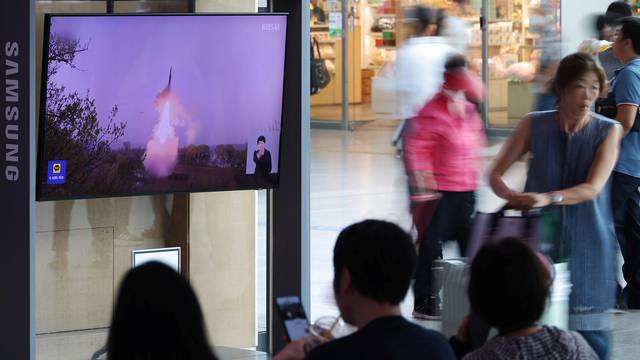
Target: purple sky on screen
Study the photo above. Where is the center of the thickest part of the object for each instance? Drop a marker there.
(227, 71)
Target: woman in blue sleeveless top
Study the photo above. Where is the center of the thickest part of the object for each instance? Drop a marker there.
(572, 153)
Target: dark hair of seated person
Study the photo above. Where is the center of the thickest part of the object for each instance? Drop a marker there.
(509, 285)
(380, 257)
(157, 316)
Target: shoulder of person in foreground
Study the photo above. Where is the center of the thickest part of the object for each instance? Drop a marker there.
(574, 346)
(439, 347)
(603, 122)
(432, 341)
(564, 344)
(353, 346)
(494, 349)
(334, 349)
(585, 352)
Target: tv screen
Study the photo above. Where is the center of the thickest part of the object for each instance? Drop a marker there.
(143, 104)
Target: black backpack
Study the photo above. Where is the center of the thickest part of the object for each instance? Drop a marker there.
(607, 107)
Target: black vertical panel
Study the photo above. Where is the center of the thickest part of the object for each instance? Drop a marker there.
(286, 205)
(265, 9)
(15, 255)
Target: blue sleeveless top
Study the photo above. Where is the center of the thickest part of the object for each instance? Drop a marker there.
(559, 161)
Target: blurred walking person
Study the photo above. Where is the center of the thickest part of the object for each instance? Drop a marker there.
(420, 64)
(442, 150)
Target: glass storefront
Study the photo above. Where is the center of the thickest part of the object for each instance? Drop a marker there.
(518, 31)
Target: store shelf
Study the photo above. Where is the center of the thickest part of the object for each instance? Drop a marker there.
(379, 34)
(490, 45)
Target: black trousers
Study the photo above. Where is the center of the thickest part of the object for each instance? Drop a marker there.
(451, 221)
(626, 216)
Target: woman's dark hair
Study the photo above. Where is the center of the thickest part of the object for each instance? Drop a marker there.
(380, 257)
(157, 316)
(572, 67)
(509, 285)
(262, 138)
(630, 29)
(455, 62)
(426, 16)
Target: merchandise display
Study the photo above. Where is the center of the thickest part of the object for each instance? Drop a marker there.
(135, 104)
(380, 22)
(523, 36)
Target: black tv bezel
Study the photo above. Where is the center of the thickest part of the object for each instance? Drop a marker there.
(40, 161)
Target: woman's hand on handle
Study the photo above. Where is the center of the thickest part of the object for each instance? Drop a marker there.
(528, 201)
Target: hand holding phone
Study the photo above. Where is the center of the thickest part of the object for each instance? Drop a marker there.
(293, 316)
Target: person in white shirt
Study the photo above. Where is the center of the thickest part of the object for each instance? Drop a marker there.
(420, 63)
(456, 29)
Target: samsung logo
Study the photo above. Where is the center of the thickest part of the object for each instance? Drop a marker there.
(11, 112)
(270, 27)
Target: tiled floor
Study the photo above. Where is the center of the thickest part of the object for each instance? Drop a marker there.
(355, 176)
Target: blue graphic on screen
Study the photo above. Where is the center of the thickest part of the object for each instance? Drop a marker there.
(57, 172)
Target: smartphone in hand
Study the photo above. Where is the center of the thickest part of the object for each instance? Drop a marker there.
(293, 317)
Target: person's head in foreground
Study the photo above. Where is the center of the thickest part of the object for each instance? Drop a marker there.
(508, 289)
(157, 316)
(578, 83)
(373, 262)
(509, 285)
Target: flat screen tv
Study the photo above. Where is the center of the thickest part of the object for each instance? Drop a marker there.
(144, 104)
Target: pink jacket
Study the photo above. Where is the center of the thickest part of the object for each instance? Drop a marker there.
(445, 144)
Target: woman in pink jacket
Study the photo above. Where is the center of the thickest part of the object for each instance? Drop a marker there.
(442, 159)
